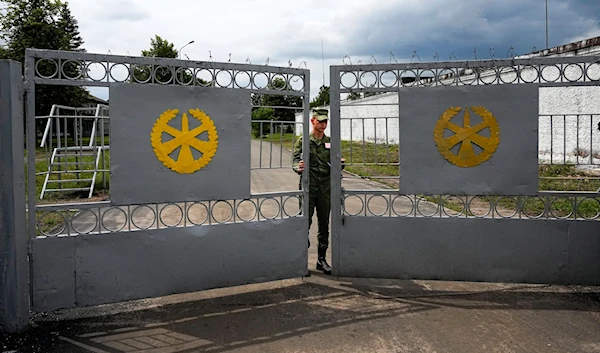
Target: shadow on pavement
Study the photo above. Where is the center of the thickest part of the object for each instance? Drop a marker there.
(262, 317)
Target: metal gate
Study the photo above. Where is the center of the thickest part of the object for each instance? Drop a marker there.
(158, 191)
(467, 170)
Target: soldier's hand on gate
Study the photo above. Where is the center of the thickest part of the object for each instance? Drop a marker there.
(300, 166)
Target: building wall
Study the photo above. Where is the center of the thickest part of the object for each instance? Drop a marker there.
(568, 128)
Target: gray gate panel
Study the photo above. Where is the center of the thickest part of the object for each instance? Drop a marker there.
(183, 260)
(584, 251)
(134, 111)
(53, 273)
(512, 168)
(14, 288)
(522, 251)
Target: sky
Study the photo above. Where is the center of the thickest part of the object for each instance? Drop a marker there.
(316, 34)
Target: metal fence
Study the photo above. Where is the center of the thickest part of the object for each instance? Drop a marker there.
(568, 130)
(80, 203)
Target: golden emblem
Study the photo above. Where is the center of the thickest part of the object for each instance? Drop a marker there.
(186, 139)
(467, 135)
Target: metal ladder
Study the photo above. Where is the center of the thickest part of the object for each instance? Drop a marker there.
(73, 162)
(62, 163)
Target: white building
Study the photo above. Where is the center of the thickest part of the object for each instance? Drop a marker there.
(569, 121)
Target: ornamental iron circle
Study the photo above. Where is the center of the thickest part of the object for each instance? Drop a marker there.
(368, 79)
(400, 203)
(224, 78)
(550, 73)
(204, 75)
(533, 207)
(49, 68)
(561, 207)
(388, 76)
(298, 206)
(480, 211)
(490, 76)
(69, 66)
(348, 79)
(385, 209)
(425, 201)
(276, 82)
(141, 73)
(79, 219)
(592, 71)
(96, 71)
(241, 205)
(113, 219)
(426, 77)
(242, 79)
(190, 213)
(166, 212)
(163, 75)
(573, 72)
(529, 73)
(184, 76)
(448, 203)
(587, 206)
(143, 217)
(296, 83)
(446, 77)
(262, 208)
(345, 205)
(54, 226)
(119, 72)
(216, 209)
(501, 206)
(508, 75)
(260, 80)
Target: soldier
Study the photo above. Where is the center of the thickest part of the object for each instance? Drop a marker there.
(319, 181)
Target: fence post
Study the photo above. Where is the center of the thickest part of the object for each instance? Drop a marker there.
(14, 277)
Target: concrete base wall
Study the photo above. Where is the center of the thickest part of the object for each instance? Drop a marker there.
(89, 270)
(488, 250)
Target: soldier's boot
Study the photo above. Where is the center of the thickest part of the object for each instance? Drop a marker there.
(322, 264)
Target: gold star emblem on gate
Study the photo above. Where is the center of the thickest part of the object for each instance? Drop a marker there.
(467, 136)
(185, 139)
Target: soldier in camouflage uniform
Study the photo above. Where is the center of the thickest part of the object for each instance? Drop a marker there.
(319, 181)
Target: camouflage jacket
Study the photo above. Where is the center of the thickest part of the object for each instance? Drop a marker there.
(320, 171)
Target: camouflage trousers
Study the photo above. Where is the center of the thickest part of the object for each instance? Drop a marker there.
(322, 204)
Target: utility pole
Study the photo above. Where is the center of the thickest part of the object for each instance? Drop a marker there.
(323, 61)
(547, 24)
(180, 49)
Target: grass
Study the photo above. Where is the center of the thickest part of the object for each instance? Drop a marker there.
(373, 161)
(380, 162)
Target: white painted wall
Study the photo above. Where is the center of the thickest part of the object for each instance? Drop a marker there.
(570, 135)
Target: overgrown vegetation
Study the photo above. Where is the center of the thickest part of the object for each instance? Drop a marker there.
(379, 162)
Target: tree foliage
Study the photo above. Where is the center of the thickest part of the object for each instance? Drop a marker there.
(162, 48)
(354, 96)
(43, 24)
(322, 99)
(279, 101)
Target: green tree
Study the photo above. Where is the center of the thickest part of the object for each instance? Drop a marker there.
(354, 96)
(281, 100)
(262, 114)
(322, 99)
(162, 48)
(43, 24)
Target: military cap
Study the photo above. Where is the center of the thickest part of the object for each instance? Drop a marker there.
(321, 114)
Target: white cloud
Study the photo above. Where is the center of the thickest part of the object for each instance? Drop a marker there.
(283, 31)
